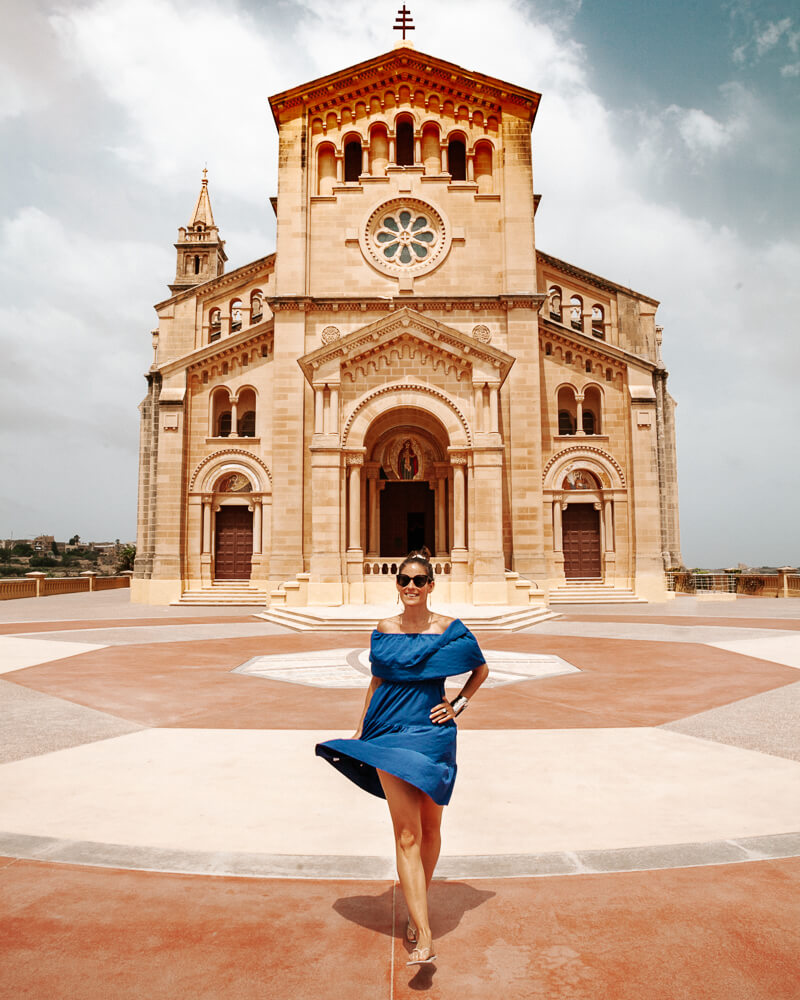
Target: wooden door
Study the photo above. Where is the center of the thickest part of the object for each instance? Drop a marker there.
(233, 550)
(581, 541)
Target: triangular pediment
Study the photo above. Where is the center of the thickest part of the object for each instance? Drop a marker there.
(406, 65)
(406, 333)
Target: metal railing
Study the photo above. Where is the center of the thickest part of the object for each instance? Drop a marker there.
(744, 584)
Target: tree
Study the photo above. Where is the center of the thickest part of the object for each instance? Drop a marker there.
(22, 549)
(54, 547)
(126, 557)
(75, 540)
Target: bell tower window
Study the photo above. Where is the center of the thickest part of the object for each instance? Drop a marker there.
(405, 144)
(352, 161)
(457, 159)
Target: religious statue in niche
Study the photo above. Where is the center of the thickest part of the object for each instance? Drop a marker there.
(407, 461)
(234, 482)
(579, 479)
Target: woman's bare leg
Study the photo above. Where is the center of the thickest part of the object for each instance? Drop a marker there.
(405, 806)
(431, 817)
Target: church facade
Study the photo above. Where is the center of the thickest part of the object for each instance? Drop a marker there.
(407, 368)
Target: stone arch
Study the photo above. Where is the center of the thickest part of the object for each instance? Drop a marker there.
(595, 460)
(377, 401)
(231, 460)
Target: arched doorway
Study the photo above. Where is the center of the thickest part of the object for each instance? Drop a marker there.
(581, 541)
(233, 550)
(408, 478)
(233, 530)
(407, 518)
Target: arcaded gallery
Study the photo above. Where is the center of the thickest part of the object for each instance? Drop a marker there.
(406, 369)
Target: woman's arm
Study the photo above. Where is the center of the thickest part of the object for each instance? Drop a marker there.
(373, 686)
(443, 712)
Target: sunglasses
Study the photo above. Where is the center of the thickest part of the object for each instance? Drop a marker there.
(419, 581)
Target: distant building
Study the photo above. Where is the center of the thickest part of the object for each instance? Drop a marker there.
(407, 369)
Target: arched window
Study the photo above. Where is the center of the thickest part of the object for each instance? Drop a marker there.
(457, 159)
(196, 265)
(256, 306)
(431, 149)
(214, 325)
(575, 312)
(352, 160)
(405, 143)
(246, 413)
(483, 167)
(567, 410)
(236, 315)
(555, 303)
(220, 413)
(326, 169)
(548, 349)
(378, 151)
(592, 401)
(598, 323)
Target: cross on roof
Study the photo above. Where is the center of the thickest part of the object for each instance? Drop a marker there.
(403, 21)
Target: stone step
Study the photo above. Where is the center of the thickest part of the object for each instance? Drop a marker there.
(364, 617)
(594, 595)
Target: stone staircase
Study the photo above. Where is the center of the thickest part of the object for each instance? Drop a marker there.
(360, 617)
(592, 591)
(228, 593)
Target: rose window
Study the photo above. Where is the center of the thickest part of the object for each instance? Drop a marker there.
(405, 237)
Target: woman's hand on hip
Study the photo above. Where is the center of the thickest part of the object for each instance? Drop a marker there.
(443, 712)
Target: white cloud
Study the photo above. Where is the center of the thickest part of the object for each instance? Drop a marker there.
(769, 36)
(790, 69)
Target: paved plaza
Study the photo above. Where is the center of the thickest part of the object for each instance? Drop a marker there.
(625, 823)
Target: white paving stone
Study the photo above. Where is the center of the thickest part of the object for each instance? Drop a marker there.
(16, 653)
(350, 668)
(783, 649)
(518, 791)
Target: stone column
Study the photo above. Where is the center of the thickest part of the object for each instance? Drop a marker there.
(470, 167)
(319, 404)
(494, 419)
(365, 159)
(332, 426)
(480, 412)
(445, 166)
(235, 417)
(339, 162)
(558, 531)
(206, 526)
(579, 412)
(459, 462)
(373, 496)
(355, 554)
(441, 511)
(354, 464)
(608, 521)
(486, 526)
(257, 527)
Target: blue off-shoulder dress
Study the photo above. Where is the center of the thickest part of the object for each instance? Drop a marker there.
(398, 735)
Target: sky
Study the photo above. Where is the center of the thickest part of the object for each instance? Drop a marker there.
(666, 150)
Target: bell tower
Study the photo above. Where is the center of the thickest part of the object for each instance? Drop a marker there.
(201, 253)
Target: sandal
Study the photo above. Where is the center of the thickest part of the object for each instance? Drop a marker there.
(411, 932)
(421, 958)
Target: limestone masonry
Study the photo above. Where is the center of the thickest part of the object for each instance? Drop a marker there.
(406, 369)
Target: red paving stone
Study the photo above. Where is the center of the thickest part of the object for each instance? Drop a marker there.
(717, 933)
(189, 684)
(15, 628)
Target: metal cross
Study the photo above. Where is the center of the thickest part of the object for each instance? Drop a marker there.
(403, 22)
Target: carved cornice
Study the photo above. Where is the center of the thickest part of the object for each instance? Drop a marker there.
(220, 350)
(610, 355)
(230, 453)
(443, 303)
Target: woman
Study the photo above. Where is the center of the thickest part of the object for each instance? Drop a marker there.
(404, 749)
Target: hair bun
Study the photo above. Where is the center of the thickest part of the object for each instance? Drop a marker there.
(424, 552)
